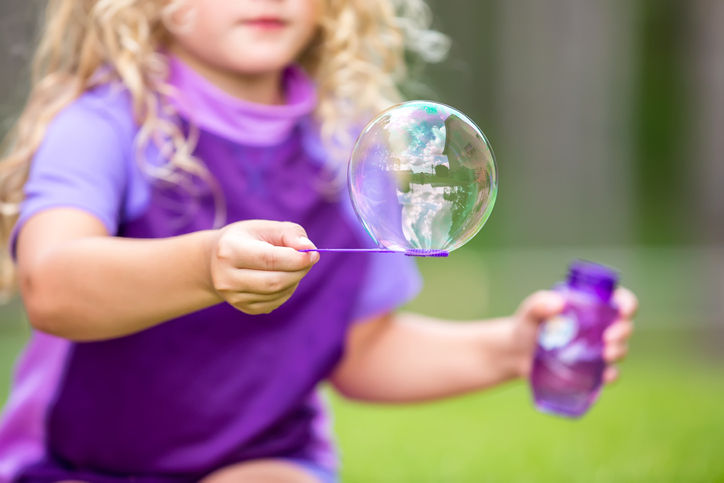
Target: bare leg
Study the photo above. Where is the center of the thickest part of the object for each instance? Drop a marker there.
(261, 471)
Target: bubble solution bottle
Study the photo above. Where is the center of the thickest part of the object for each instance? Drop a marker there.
(568, 366)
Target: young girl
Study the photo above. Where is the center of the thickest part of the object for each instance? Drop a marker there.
(172, 159)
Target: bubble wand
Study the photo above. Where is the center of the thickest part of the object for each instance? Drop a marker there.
(413, 252)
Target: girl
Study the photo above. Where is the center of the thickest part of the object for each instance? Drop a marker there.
(172, 159)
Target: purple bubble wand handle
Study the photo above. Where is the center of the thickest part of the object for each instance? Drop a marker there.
(413, 252)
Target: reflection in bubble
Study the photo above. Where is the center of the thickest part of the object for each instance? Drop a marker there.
(426, 217)
(422, 176)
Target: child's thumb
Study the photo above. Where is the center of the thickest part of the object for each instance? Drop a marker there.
(541, 305)
(281, 234)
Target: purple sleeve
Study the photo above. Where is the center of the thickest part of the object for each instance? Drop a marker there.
(81, 164)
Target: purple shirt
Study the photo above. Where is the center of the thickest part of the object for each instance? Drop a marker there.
(215, 387)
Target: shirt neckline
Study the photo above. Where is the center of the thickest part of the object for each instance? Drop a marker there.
(208, 107)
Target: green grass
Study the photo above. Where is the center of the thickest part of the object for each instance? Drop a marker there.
(661, 422)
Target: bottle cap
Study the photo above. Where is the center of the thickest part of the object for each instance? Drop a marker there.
(593, 277)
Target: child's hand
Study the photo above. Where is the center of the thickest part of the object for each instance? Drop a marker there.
(542, 305)
(255, 265)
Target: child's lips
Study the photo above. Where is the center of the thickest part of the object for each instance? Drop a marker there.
(266, 23)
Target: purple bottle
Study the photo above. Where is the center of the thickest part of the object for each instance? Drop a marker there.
(568, 366)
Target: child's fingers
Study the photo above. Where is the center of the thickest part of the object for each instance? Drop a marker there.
(280, 234)
(619, 331)
(541, 305)
(615, 352)
(261, 282)
(626, 302)
(273, 283)
(284, 234)
(266, 307)
(260, 255)
(610, 374)
(247, 299)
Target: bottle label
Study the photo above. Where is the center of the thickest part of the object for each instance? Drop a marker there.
(557, 332)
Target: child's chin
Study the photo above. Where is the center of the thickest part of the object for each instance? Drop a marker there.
(256, 66)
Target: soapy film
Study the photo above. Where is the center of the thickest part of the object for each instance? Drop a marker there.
(422, 176)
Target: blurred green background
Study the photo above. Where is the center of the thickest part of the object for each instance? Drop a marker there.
(607, 119)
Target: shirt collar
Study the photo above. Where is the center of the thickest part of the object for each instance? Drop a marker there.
(211, 109)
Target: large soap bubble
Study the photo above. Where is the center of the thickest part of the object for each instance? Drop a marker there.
(422, 176)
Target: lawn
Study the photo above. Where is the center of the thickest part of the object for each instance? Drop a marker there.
(663, 421)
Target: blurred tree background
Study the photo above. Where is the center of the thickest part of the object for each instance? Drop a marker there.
(607, 120)
(606, 117)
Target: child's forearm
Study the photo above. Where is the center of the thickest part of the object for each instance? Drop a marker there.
(81, 284)
(407, 358)
(414, 358)
(99, 287)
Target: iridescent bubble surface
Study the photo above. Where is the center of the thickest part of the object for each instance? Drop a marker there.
(422, 176)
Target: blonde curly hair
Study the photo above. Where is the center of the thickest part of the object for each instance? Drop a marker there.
(357, 60)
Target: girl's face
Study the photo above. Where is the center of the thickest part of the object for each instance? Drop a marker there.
(244, 36)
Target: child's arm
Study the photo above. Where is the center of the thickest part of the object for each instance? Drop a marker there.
(81, 284)
(408, 358)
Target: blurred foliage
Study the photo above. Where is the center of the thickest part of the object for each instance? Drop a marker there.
(659, 105)
(661, 124)
(474, 283)
(659, 108)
